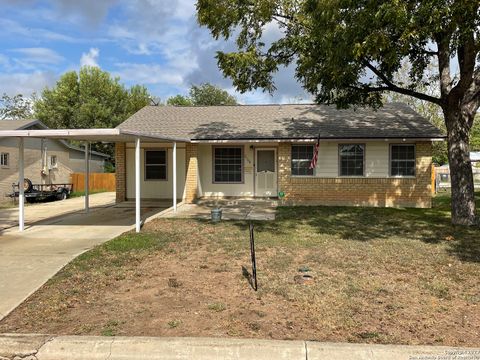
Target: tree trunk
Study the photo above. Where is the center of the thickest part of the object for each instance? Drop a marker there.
(463, 195)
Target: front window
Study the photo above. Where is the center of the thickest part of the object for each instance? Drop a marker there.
(351, 159)
(155, 165)
(4, 159)
(301, 158)
(227, 164)
(402, 160)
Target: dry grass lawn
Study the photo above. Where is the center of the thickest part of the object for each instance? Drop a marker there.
(380, 275)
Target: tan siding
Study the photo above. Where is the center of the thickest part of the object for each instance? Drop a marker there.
(155, 189)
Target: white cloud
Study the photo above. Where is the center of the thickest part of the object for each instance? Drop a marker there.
(12, 28)
(90, 12)
(90, 58)
(40, 55)
(148, 74)
(26, 83)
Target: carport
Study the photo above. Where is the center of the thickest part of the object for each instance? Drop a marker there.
(87, 136)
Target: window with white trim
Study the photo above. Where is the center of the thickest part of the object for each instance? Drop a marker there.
(352, 158)
(402, 160)
(227, 164)
(301, 158)
(5, 159)
(155, 165)
(53, 161)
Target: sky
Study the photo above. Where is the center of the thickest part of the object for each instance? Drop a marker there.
(155, 43)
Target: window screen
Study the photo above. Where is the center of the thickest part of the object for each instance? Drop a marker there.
(301, 158)
(266, 160)
(351, 159)
(227, 163)
(402, 162)
(156, 165)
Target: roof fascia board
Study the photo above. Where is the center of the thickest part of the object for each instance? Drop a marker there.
(214, 141)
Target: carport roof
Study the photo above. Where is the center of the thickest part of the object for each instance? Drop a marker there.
(94, 135)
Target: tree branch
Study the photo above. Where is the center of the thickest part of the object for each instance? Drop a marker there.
(466, 61)
(390, 86)
(443, 42)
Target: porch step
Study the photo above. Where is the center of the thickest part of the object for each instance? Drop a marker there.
(211, 202)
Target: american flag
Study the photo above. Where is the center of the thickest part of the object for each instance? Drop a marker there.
(313, 163)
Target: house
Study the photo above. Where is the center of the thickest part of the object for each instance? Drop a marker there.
(47, 161)
(365, 158)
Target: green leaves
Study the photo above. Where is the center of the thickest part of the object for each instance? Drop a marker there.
(331, 41)
(16, 107)
(203, 95)
(90, 98)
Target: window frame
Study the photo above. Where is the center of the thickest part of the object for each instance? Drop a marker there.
(51, 165)
(7, 156)
(314, 170)
(340, 160)
(145, 165)
(242, 156)
(390, 153)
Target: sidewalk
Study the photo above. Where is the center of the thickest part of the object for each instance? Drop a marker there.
(46, 347)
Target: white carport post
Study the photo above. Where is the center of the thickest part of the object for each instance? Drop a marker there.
(137, 185)
(174, 177)
(87, 177)
(21, 179)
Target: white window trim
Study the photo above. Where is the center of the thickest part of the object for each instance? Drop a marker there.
(314, 175)
(7, 156)
(390, 161)
(145, 163)
(340, 161)
(242, 148)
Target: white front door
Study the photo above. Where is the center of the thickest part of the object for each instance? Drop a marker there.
(266, 172)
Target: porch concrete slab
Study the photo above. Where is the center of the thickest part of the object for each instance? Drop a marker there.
(28, 259)
(231, 209)
(42, 211)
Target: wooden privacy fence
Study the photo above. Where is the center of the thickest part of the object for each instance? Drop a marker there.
(97, 181)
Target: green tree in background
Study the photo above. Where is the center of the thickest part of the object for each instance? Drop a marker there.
(203, 95)
(348, 53)
(16, 107)
(475, 135)
(91, 98)
(179, 100)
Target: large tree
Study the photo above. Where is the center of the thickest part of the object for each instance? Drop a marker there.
(91, 98)
(203, 95)
(348, 52)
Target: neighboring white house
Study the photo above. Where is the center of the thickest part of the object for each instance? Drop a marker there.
(47, 161)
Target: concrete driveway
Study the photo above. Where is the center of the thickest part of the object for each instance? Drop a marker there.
(42, 211)
(30, 258)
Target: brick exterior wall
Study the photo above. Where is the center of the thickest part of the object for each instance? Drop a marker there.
(120, 172)
(191, 170)
(368, 191)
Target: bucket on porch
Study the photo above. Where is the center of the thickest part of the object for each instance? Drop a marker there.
(216, 214)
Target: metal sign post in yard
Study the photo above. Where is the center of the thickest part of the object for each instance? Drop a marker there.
(254, 261)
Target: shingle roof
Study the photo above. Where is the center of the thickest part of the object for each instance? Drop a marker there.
(16, 124)
(297, 121)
